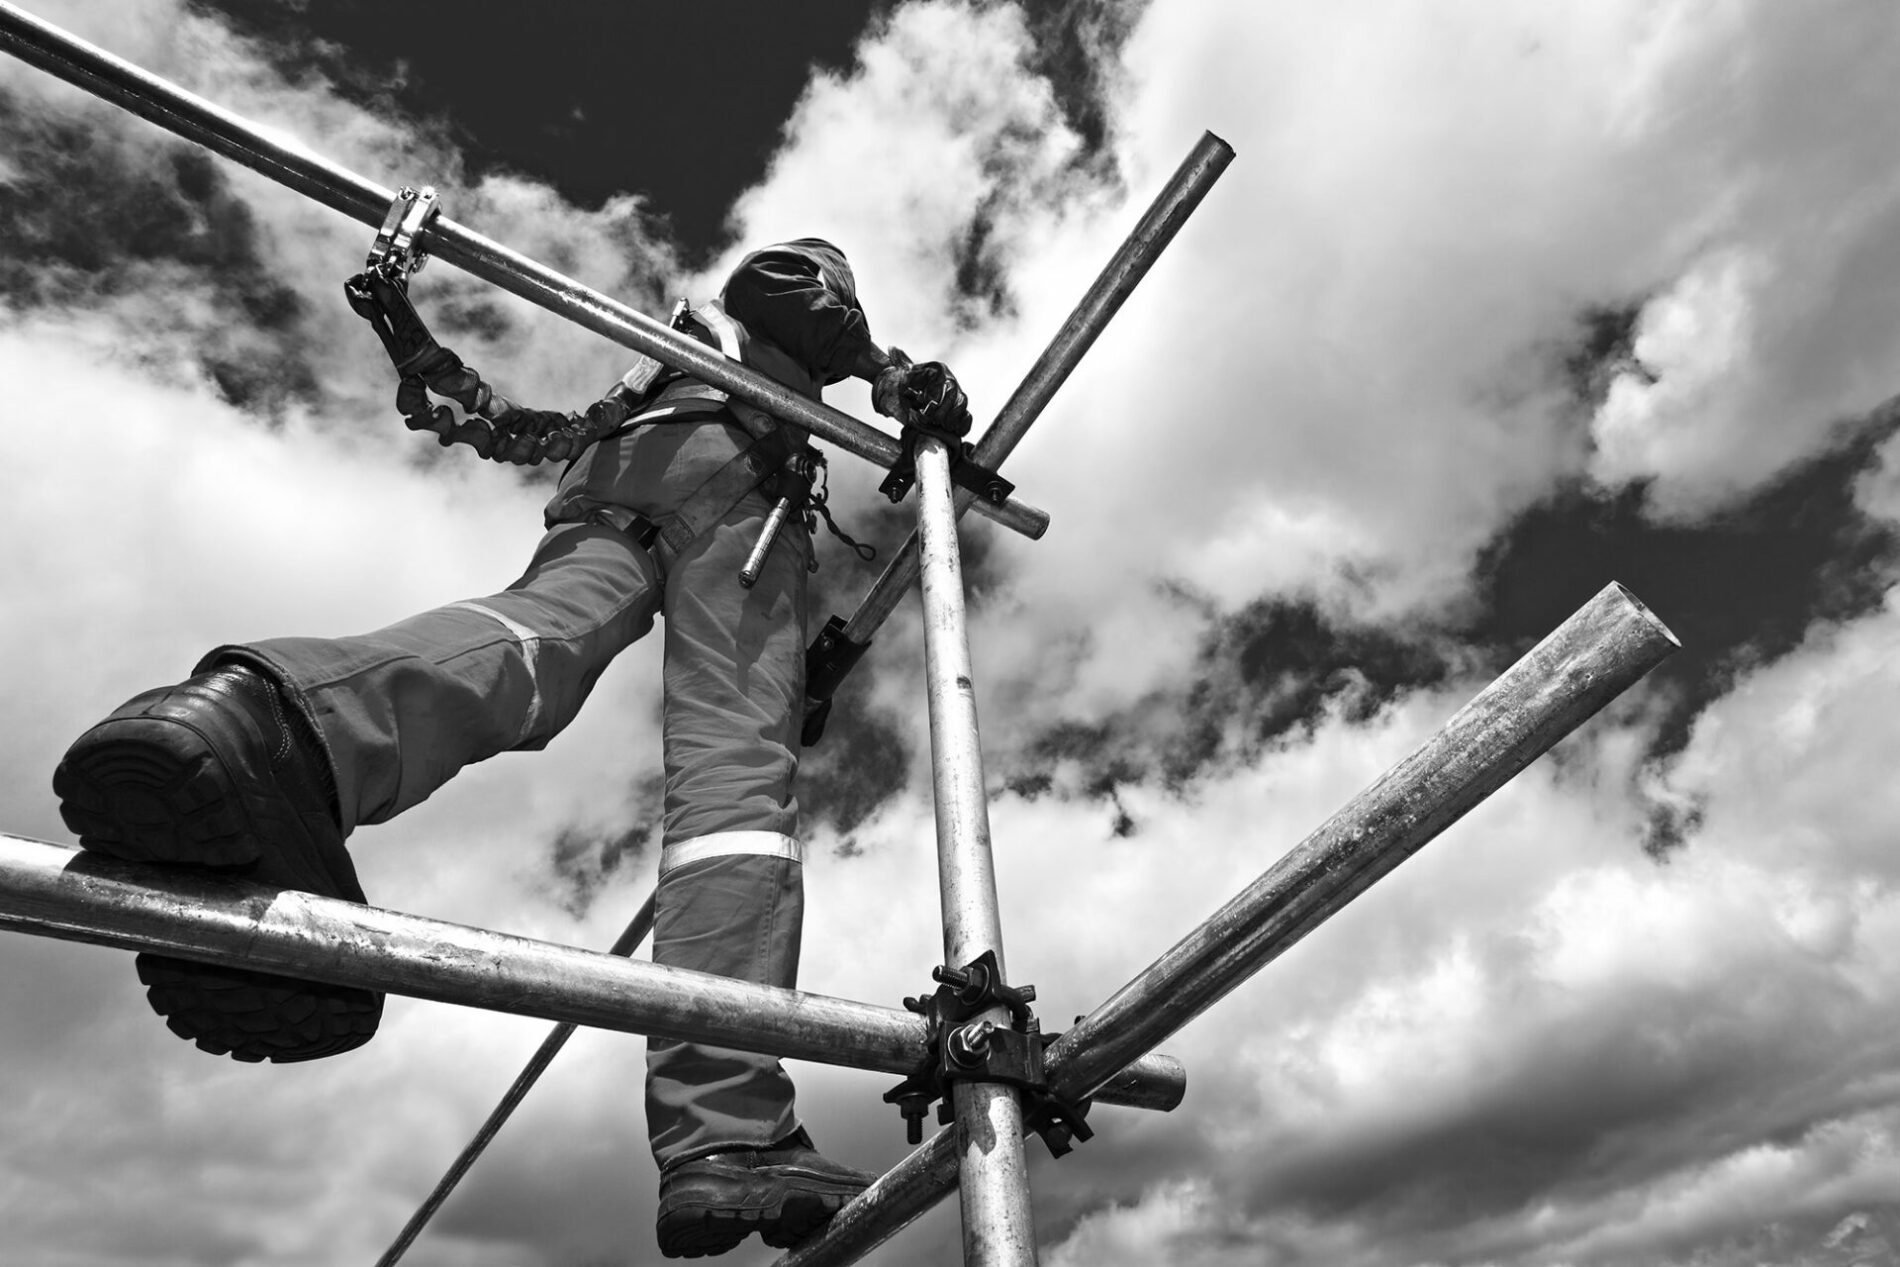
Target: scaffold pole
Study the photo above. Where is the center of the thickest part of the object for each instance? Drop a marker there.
(998, 1226)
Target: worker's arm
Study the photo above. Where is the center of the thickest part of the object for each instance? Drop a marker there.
(496, 427)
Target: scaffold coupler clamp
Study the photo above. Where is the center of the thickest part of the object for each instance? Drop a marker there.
(395, 254)
(831, 656)
(960, 1047)
(965, 470)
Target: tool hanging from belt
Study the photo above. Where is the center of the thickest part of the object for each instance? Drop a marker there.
(792, 476)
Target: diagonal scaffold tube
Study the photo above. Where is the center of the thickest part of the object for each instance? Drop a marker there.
(1602, 650)
(629, 940)
(838, 649)
(118, 81)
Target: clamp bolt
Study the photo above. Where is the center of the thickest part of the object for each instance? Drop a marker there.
(968, 1043)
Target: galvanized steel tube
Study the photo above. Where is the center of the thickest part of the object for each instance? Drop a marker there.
(998, 1226)
(1143, 246)
(1593, 657)
(56, 891)
(142, 93)
(966, 874)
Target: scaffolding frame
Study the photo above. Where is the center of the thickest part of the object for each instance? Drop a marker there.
(57, 891)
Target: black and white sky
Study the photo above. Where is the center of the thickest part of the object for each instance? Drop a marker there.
(1497, 304)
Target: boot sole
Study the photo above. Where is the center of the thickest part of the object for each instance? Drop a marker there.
(152, 790)
(691, 1226)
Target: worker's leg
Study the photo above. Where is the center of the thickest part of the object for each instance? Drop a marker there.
(731, 897)
(223, 770)
(403, 708)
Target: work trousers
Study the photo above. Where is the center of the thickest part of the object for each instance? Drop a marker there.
(402, 709)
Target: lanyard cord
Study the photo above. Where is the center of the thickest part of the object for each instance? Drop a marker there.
(815, 501)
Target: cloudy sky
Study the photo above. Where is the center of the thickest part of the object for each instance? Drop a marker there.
(1498, 303)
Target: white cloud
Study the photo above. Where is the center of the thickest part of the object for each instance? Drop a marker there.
(1529, 1045)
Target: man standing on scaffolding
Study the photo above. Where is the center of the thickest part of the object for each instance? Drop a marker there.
(274, 752)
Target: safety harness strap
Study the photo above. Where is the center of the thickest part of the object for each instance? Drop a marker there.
(706, 505)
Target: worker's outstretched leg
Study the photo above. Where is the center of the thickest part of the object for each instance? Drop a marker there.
(264, 761)
(732, 1155)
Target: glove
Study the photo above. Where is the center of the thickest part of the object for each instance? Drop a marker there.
(926, 396)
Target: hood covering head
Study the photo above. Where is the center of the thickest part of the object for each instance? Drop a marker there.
(801, 297)
(835, 267)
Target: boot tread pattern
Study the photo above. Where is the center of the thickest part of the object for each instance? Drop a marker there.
(150, 785)
(145, 802)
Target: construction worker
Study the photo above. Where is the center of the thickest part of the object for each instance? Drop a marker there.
(265, 760)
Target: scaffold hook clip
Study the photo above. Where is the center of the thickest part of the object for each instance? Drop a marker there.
(395, 251)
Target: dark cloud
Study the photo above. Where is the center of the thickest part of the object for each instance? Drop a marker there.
(1621, 1096)
(982, 277)
(1265, 675)
(1077, 42)
(862, 762)
(86, 219)
(1740, 590)
(646, 90)
(557, 1195)
(1605, 347)
(584, 861)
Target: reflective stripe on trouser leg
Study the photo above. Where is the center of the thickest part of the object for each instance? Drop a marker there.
(764, 844)
(731, 899)
(403, 708)
(737, 915)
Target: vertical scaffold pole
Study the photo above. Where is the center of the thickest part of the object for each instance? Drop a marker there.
(998, 1227)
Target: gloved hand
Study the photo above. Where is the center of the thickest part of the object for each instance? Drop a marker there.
(925, 395)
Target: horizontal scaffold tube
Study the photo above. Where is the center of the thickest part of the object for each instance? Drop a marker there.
(142, 93)
(1596, 655)
(56, 891)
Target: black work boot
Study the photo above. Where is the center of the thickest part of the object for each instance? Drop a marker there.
(784, 1193)
(224, 773)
